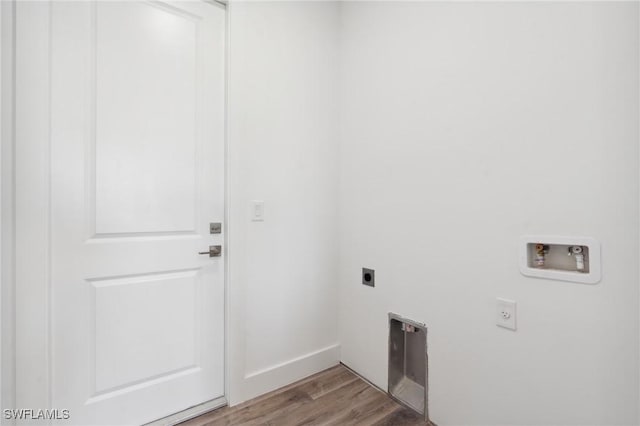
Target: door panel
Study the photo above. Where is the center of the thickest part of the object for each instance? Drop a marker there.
(146, 57)
(122, 358)
(136, 316)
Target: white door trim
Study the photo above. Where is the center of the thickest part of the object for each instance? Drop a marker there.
(7, 287)
(227, 216)
(8, 225)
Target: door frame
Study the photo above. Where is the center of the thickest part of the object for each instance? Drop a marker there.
(7, 282)
(8, 308)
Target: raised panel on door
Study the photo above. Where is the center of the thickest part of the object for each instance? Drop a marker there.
(122, 314)
(146, 173)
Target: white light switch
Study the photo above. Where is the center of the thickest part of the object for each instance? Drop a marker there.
(257, 210)
(506, 313)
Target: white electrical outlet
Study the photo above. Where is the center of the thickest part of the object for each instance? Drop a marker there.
(506, 313)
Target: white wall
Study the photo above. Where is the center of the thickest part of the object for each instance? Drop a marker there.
(283, 150)
(463, 127)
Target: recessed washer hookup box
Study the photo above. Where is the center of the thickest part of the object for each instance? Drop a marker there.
(408, 372)
(574, 259)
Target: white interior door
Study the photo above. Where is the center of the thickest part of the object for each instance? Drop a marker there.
(124, 179)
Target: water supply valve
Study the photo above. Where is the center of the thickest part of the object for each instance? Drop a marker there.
(541, 250)
(578, 253)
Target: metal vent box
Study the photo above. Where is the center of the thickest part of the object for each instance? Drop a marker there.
(408, 371)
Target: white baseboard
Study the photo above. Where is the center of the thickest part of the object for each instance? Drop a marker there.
(259, 382)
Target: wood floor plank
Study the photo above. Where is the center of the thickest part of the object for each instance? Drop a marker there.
(210, 418)
(328, 383)
(367, 413)
(402, 416)
(322, 376)
(324, 407)
(260, 413)
(335, 397)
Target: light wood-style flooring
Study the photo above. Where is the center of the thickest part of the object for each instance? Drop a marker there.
(332, 397)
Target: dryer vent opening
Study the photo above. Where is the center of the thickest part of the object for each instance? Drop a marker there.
(408, 371)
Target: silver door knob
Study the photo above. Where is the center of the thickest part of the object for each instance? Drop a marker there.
(214, 251)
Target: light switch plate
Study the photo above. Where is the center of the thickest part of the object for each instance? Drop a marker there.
(506, 313)
(257, 211)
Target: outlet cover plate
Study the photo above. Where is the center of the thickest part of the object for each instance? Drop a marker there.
(506, 313)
